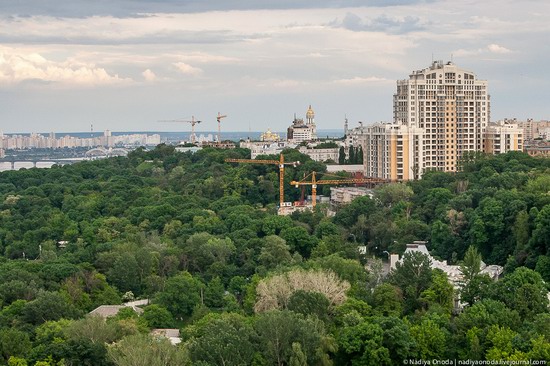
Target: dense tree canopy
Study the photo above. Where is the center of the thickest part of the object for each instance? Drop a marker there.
(200, 238)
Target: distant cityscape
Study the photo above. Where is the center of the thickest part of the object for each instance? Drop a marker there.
(440, 114)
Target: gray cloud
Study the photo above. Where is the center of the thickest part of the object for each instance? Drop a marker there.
(130, 8)
(174, 37)
(383, 23)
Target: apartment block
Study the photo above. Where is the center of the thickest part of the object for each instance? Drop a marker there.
(439, 114)
(503, 136)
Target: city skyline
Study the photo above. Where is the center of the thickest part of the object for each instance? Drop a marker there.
(124, 65)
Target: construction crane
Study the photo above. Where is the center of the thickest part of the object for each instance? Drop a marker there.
(193, 122)
(281, 163)
(314, 182)
(219, 119)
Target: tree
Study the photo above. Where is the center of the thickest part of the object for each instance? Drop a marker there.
(361, 344)
(157, 316)
(48, 306)
(440, 292)
(430, 339)
(389, 195)
(540, 240)
(471, 265)
(278, 330)
(412, 275)
(145, 350)
(14, 342)
(309, 303)
(341, 156)
(275, 292)
(226, 339)
(524, 291)
(275, 252)
(298, 357)
(181, 294)
(298, 239)
(213, 294)
(387, 300)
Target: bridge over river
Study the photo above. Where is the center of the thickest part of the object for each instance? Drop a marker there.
(19, 162)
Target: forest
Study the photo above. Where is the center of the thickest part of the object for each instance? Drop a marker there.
(201, 239)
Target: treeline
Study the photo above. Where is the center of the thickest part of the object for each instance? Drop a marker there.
(354, 155)
(200, 238)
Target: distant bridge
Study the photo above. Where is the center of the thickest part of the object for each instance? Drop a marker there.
(93, 154)
(100, 153)
(15, 160)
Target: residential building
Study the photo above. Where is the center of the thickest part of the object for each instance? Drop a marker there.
(265, 147)
(503, 136)
(439, 114)
(344, 195)
(393, 151)
(321, 154)
(451, 105)
(533, 130)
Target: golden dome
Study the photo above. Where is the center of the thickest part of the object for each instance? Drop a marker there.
(310, 113)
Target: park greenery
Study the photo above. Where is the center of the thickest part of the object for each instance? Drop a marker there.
(201, 239)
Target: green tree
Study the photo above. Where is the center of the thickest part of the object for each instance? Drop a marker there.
(145, 350)
(309, 303)
(362, 344)
(14, 342)
(275, 252)
(48, 306)
(413, 275)
(431, 340)
(341, 156)
(181, 294)
(471, 265)
(387, 300)
(440, 292)
(278, 330)
(226, 339)
(157, 316)
(524, 291)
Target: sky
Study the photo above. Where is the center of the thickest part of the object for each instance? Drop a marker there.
(125, 65)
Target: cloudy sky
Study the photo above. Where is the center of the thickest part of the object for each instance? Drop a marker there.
(125, 64)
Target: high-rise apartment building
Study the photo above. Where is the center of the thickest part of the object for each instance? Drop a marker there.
(451, 105)
(439, 114)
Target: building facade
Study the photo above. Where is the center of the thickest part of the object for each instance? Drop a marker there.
(321, 155)
(440, 113)
(503, 136)
(301, 130)
(451, 105)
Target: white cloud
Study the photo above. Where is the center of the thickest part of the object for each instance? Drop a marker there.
(17, 67)
(495, 48)
(148, 75)
(362, 80)
(492, 48)
(187, 69)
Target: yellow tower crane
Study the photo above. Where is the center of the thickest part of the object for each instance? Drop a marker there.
(281, 163)
(193, 122)
(219, 119)
(314, 182)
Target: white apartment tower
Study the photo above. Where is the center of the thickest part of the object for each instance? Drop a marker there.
(452, 108)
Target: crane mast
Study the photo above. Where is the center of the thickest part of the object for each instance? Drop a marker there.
(219, 119)
(193, 122)
(281, 163)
